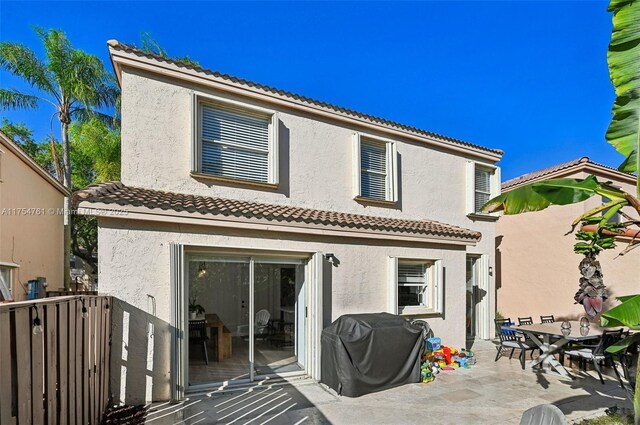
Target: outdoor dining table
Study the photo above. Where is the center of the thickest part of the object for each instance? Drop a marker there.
(550, 338)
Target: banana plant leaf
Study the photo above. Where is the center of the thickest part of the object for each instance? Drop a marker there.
(622, 345)
(626, 313)
(538, 196)
(519, 200)
(567, 191)
(623, 58)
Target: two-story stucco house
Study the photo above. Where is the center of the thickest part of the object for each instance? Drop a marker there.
(31, 224)
(267, 215)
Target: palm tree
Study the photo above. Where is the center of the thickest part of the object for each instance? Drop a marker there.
(74, 82)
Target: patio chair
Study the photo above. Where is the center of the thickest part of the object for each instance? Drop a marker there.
(511, 340)
(597, 353)
(525, 321)
(546, 414)
(198, 335)
(547, 319)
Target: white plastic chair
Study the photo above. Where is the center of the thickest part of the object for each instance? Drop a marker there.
(543, 414)
(260, 325)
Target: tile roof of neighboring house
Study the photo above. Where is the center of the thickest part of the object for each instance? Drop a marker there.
(115, 44)
(536, 175)
(117, 193)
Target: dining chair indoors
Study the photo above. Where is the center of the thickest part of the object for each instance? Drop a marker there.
(510, 339)
(198, 335)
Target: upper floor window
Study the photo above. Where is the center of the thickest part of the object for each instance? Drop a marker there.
(482, 188)
(375, 169)
(236, 143)
(482, 185)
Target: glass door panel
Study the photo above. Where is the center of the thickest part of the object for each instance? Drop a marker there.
(218, 323)
(279, 311)
(472, 290)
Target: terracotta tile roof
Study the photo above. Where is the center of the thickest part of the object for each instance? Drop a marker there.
(536, 175)
(115, 44)
(117, 193)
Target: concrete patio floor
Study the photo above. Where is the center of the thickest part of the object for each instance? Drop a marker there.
(488, 393)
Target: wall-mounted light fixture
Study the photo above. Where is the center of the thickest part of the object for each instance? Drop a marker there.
(330, 257)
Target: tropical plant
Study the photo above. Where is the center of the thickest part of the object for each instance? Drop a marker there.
(195, 308)
(149, 45)
(596, 232)
(74, 82)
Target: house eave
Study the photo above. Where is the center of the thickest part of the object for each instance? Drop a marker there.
(184, 217)
(120, 59)
(31, 163)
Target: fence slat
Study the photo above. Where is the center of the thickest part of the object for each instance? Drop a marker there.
(6, 379)
(107, 355)
(71, 389)
(104, 360)
(63, 361)
(86, 409)
(92, 361)
(37, 371)
(51, 351)
(100, 363)
(23, 363)
(79, 365)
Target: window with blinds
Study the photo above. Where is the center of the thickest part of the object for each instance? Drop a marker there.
(482, 188)
(234, 143)
(412, 285)
(373, 170)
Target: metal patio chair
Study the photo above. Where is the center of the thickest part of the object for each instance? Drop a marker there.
(525, 321)
(547, 319)
(597, 353)
(510, 339)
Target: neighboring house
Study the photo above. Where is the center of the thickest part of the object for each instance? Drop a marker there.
(275, 214)
(537, 268)
(31, 224)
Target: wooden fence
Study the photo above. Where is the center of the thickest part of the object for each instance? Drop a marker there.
(61, 374)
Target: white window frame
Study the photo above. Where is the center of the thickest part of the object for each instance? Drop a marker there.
(391, 181)
(471, 186)
(435, 287)
(200, 100)
(6, 288)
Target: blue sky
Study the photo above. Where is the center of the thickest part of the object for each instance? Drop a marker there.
(527, 77)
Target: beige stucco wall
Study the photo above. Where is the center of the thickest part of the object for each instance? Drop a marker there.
(134, 267)
(33, 239)
(538, 270)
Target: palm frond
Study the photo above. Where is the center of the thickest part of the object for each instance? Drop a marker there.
(13, 99)
(84, 115)
(22, 62)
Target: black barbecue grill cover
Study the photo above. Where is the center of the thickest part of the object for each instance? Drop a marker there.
(364, 353)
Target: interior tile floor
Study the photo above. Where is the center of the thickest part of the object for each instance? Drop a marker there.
(270, 358)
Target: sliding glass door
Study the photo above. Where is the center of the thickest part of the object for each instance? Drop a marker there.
(246, 317)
